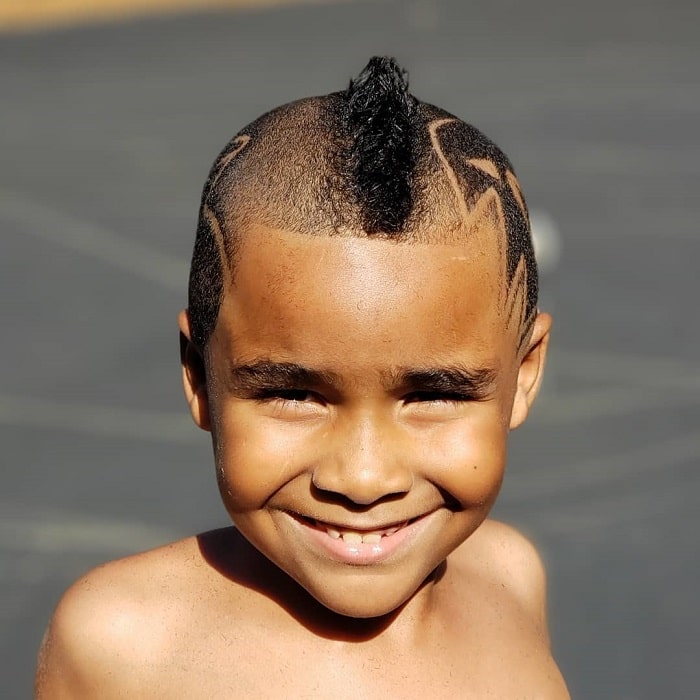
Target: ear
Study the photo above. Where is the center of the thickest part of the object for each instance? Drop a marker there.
(531, 370)
(194, 377)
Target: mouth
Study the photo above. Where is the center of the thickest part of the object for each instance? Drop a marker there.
(356, 544)
(355, 536)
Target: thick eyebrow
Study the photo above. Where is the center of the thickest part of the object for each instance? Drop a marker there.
(279, 375)
(454, 379)
(476, 383)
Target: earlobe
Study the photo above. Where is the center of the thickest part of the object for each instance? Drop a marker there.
(193, 375)
(531, 370)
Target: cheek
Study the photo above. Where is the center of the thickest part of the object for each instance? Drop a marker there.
(468, 461)
(255, 458)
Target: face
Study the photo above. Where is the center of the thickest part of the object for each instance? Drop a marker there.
(359, 393)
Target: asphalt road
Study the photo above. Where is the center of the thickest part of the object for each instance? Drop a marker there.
(106, 135)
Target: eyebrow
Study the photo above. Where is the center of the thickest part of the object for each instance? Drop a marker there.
(280, 375)
(476, 383)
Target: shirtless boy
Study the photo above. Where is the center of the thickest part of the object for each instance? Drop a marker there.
(362, 334)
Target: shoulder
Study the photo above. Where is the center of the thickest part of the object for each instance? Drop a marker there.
(114, 624)
(506, 575)
(510, 563)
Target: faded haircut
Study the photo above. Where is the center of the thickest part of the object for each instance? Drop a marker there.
(371, 161)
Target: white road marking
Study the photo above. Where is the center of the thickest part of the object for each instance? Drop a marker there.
(91, 419)
(87, 238)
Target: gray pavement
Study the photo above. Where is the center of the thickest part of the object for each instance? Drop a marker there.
(106, 134)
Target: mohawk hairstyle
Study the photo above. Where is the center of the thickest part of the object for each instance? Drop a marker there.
(371, 160)
(381, 118)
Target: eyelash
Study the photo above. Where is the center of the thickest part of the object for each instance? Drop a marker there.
(290, 396)
(296, 397)
(438, 396)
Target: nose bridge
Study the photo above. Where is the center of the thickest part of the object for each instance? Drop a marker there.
(365, 460)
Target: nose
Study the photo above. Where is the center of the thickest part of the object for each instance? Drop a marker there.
(365, 462)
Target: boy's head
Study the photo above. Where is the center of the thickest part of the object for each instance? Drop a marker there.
(369, 161)
(362, 332)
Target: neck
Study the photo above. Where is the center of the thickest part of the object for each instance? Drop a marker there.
(235, 558)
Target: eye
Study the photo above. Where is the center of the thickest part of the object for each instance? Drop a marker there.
(290, 404)
(437, 397)
(286, 395)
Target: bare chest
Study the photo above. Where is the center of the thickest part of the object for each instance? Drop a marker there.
(263, 663)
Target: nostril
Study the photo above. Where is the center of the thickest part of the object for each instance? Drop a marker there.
(363, 471)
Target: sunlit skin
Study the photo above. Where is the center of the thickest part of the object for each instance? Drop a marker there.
(359, 376)
(355, 385)
(361, 384)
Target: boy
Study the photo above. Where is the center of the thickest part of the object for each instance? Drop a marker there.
(361, 334)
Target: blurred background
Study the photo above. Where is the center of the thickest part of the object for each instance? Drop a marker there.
(111, 113)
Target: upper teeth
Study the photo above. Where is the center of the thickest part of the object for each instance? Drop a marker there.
(355, 537)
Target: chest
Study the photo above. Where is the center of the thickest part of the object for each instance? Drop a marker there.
(249, 663)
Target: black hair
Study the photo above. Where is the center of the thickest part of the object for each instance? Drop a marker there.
(381, 119)
(370, 160)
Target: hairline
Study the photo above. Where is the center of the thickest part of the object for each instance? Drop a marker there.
(229, 255)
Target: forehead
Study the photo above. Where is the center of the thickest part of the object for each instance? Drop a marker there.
(321, 298)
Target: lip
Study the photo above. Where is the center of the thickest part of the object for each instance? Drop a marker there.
(314, 533)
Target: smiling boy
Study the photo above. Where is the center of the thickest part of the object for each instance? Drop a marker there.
(361, 335)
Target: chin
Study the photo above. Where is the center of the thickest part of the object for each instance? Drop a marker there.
(366, 597)
(362, 609)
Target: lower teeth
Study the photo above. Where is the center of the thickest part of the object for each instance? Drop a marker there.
(352, 538)
(358, 538)
(372, 539)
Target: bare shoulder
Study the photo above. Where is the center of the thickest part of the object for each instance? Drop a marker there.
(114, 625)
(508, 574)
(510, 563)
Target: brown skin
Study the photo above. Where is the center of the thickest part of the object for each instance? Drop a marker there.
(364, 441)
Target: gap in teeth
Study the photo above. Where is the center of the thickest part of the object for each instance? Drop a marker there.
(354, 537)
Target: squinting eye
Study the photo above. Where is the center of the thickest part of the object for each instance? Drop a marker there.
(436, 396)
(291, 395)
(291, 403)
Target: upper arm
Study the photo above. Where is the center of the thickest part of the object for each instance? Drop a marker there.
(63, 669)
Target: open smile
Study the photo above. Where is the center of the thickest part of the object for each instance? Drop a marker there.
(359, 546)
(357, 536)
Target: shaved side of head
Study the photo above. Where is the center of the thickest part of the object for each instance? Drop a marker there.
(371, 160)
